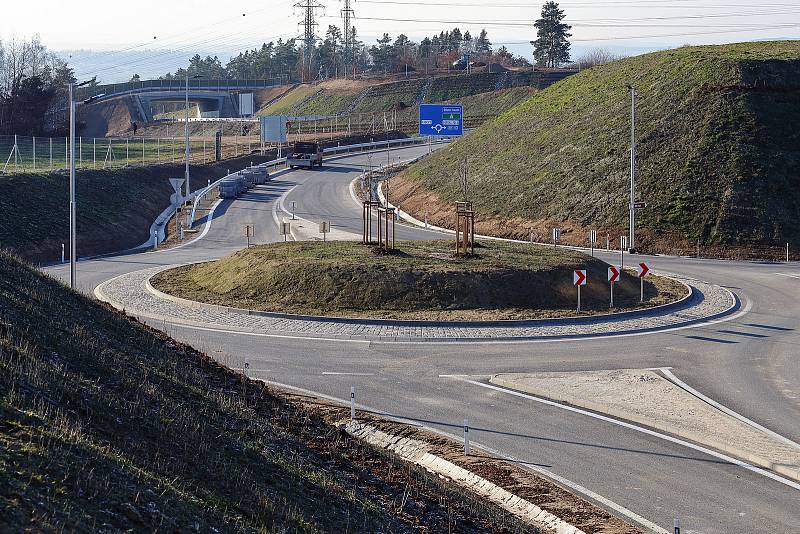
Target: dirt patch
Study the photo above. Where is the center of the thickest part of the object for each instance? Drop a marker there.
(524, 483)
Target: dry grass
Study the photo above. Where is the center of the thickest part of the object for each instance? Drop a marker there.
(108, 425)
(422, 281)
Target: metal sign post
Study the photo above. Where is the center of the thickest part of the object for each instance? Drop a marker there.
(324, 229)
(579, 279)
(643, 269)
(613, 276)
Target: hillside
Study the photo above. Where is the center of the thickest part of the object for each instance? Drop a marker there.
(337, 97)
(107, 425)
(718, 153)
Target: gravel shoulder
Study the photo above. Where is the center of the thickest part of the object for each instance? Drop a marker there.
(647, 398)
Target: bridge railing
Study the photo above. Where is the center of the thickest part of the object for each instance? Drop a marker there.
(117, 89)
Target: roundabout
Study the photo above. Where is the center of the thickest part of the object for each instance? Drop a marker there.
(393, 296)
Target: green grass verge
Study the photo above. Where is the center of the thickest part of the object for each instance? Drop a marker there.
(718, 149)
(422, 281)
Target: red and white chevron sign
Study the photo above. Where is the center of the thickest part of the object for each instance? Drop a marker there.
(643, 269)
(613, 274)
(579, 278)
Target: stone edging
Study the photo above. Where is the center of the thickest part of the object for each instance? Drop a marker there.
(129, 292)
(416, 452)
(685, 302)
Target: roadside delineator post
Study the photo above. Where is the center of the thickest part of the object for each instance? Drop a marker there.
(466, 437)
(62, 253)
(579, 279)
(623, 244)
(592, 240)
(677, 526)
(352, 403)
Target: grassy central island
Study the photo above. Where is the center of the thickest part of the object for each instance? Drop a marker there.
(420, 280)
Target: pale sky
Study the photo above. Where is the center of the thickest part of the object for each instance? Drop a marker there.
(205, 26)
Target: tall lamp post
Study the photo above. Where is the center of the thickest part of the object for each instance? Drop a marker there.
(73, 221)
(186, 131)
(632, 207)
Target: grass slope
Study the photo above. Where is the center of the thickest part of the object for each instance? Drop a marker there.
(423, 281)
(106, 425)
(718, 148)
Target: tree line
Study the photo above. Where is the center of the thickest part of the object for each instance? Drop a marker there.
(33, 89)
(332, 57)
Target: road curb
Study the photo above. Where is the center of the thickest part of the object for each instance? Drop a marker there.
(416, 452)
(599, 407)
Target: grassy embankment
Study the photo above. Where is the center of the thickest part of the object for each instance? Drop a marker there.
(718, 154)
(423, 281)
(106, 424)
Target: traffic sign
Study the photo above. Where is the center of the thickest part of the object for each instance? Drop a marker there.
(643, 269)
(579, 278)
(177, 183)
(441, 120)
(639, 205)
(613, 273)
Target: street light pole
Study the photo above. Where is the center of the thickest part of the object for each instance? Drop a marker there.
(186, 131)
(632, 207)
(72, 208)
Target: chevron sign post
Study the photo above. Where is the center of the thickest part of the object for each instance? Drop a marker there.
(643, 269)
(579, 279)
(613, 276)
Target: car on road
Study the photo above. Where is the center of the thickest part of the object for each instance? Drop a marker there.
(305, 154)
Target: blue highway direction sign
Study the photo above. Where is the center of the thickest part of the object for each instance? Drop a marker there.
(441, 120)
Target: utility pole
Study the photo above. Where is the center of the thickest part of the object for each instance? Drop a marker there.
(347, 14)
(309, 25)
(72, 210)
(632, 207)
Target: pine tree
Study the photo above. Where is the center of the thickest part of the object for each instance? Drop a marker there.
(551, 47)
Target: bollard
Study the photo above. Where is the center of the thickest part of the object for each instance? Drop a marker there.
(353, 403)
(466, 437)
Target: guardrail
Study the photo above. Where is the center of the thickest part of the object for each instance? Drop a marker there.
(361, 147)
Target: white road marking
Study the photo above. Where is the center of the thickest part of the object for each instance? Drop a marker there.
(326, 373)
(725, 409)
(795, 276)
(206, 227)
(577, 488)
(631, 426)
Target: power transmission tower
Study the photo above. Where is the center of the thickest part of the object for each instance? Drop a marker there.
(309, 36)
(347, 14)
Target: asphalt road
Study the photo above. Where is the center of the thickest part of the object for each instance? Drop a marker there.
(748, 364)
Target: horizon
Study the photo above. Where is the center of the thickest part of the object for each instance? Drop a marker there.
(154, 45)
